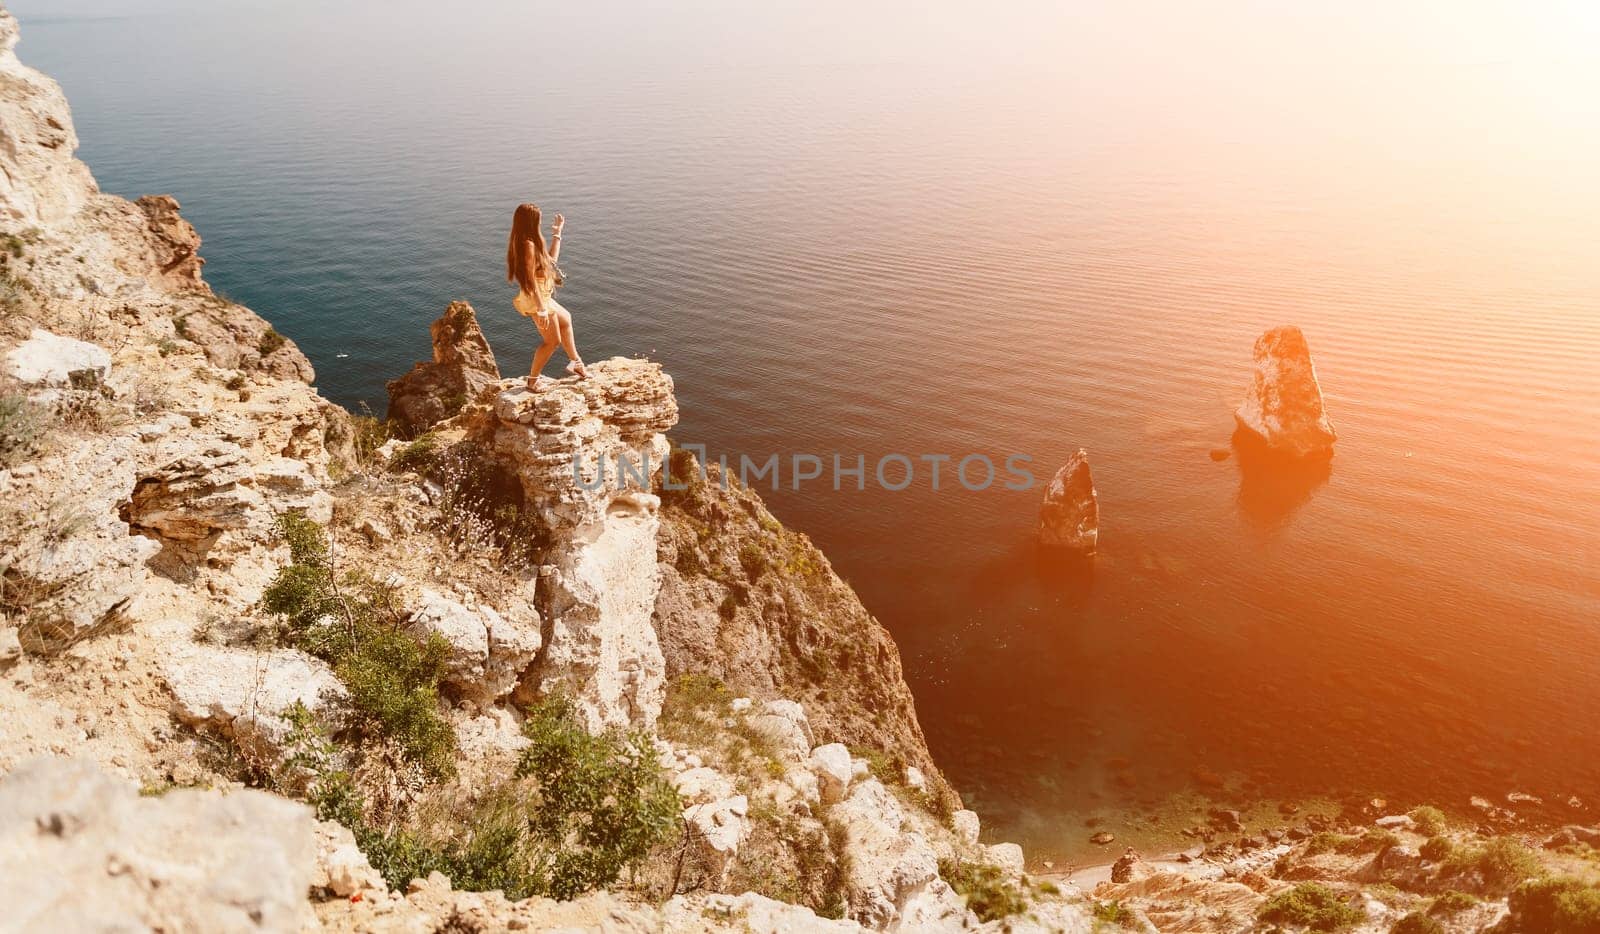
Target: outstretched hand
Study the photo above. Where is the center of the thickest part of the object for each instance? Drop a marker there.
(558, 223)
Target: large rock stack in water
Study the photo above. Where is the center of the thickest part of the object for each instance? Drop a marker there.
(1070, 516)
(1283, 411)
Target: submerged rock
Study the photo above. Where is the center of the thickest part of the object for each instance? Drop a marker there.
(1070, 516)
(462, 367)
(1283, 409)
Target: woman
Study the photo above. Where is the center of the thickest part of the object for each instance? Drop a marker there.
(533, 269)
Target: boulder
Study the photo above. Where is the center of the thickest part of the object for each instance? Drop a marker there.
(833, 769)
(488, 653)
(784, 723)
(1070, 516)
(1283, 410)
(47, 359)
(1008, 858)
(890, 867)
(80, 851)
(244, 694)
(1129, 867)
(715, 830)
(462, 367)
(71, 558)
(966, 826)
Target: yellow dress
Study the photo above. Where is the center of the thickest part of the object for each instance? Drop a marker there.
(525, 305)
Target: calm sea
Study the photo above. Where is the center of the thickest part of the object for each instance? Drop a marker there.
(1013, 228)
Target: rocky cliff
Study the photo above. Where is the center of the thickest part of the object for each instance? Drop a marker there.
(264, 667)
(214, 579)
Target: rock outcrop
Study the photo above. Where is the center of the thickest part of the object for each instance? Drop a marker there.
(1070, 516)
(488, 652)
(462, 367)
(42, 182)
(1283, 410)
(584, 456)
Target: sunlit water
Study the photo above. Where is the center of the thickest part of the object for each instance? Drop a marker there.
(1020, 230)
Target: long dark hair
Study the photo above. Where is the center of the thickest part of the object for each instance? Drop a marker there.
(526, 259)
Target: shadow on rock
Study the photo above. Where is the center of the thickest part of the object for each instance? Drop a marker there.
(1273, 486)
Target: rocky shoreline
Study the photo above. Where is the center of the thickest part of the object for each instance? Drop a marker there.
(266, 665)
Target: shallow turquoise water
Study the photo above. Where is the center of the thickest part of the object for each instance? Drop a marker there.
(1046, 227)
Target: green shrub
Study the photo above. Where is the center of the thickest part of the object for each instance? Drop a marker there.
(1502, 863)
(351, 622)
(1429, 820)
(1452, 902)
(1417, 923)
(988, 893)
(604, 801)
(1326, 841)
(1311, 905)
(1436, 849)
(416, 456)
(271, 341)
(393, 680)
(490, 849)
(754, 560)
(1552, 906)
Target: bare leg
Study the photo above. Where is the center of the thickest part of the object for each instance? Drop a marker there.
(569, 344)
(541, 356)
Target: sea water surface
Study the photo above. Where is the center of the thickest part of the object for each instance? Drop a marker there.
(1004, 229)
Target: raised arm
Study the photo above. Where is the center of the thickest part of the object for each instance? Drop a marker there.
(555, 237)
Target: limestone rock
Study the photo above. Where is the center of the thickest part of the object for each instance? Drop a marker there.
(71, 557)
(235, 338)
(585, 455)
(1070, 516)
(889, 866)
(1008, 857)
(965, 823)
(1129, 867)
(47, 359)
(82, 852)
(196, 495)
(488, 653)
(40, 181)
(749, 913)
(244, 693)
(784, 722)
(174, 241)
(462, 367)
(716, 828)
(1283, 408)
(341, 868)
(831, 764)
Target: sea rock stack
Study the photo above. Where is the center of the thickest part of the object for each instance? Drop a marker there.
(1070, 516)
(462, 367)
(1284, 407)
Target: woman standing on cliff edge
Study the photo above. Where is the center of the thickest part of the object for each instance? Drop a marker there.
(533, 269)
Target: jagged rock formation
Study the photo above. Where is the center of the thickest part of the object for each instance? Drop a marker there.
(1070, 516)
(585, 455)
(1283, 410)
(42, 183)
(462, 367)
